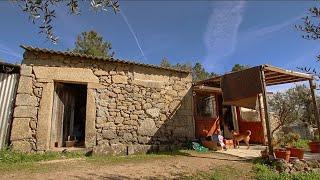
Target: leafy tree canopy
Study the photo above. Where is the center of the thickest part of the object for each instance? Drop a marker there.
(91, 43)
(293, 105)
(42, 12)
(310, 28)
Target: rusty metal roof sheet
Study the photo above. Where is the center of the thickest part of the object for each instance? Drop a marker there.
(73, 54)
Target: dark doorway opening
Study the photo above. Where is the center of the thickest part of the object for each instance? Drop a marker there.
(69, 115)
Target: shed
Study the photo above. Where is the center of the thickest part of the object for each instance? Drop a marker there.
(66, 99)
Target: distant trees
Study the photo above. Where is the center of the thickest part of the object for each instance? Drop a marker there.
(198, 71)
(185, 66)
(42, 12)
(311, 31)
(239, 67)
(293, 105)
(91, 43)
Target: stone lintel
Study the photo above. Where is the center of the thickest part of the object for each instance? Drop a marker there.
(65, 74)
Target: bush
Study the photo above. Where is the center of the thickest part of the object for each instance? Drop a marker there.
(287, 139)
(264, 170)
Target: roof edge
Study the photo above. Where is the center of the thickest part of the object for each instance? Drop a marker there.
(66, 53)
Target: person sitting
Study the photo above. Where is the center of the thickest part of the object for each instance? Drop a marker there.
(219, 139)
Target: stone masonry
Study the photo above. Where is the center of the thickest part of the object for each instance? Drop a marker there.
(131, 108)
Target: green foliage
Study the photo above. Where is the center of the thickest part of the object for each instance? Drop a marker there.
(166, 64)
(311, 31)
(91, 43)
(287, 139)
(239, 67)
(302, 143)
(265, 171)
(293, 105)
(42, 12)
(199, 73)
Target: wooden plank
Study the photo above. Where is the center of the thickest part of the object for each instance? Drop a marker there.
(266, 112)
(277, 76)
(207, 89)
(282, 71)
(285, 81)
(315, 106)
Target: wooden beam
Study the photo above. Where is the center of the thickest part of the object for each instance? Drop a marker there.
(314, 101)
(207, 89)
(282, 71)
(285, 81)
(266, 112)
(277, 76)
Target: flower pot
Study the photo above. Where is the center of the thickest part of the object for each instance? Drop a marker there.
(282, 154)
(314, 146)
(264, 154)
(296, 152)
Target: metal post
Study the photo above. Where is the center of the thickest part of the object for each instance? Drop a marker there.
(314, 101)
(266, 111)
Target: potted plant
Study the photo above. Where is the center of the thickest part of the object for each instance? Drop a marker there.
(296, 149)
(282, 153)
(264, 153)
(284, 141)
(314, 145)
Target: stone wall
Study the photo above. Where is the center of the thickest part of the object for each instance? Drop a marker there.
(130, 108)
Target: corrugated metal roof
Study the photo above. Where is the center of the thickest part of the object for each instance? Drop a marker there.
(67, 53)
(8, 85)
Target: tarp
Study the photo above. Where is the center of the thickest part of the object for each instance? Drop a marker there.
(242, 88)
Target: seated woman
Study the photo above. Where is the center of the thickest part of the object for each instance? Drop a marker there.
(219, 139)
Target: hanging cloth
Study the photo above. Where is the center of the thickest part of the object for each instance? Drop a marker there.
(242, 88)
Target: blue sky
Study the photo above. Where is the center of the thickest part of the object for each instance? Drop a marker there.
(216, 33)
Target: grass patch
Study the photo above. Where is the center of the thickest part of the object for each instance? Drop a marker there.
(18, 161)
(15, 161)
(221, 173)
(10, 157)
(265, 170)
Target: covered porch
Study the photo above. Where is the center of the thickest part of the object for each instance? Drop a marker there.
(213, 112)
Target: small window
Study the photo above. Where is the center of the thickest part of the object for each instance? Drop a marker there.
(250, 115)
(206, 107)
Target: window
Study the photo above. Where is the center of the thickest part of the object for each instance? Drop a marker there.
(206, 107)
(249, 115)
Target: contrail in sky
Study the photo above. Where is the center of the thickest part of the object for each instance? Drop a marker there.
(133, 34)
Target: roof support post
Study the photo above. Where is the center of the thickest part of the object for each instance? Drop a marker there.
(266, 111)
(314, 101)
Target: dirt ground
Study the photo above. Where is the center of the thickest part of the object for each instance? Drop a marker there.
(171, 167)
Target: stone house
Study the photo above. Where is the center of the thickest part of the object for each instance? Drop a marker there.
(113, 106)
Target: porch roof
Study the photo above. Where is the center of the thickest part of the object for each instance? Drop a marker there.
(273, 76)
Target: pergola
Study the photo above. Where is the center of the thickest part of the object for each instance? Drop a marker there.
(270, 76)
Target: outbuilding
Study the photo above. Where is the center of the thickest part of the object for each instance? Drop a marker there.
(66, 99)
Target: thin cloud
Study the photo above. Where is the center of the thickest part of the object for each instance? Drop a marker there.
(260, 32)
(133, 34)
(222, 29)
(5, 50)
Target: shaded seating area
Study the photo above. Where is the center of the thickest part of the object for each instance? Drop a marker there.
(246, 88)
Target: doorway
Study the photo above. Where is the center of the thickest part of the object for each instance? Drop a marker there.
(68, 115)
